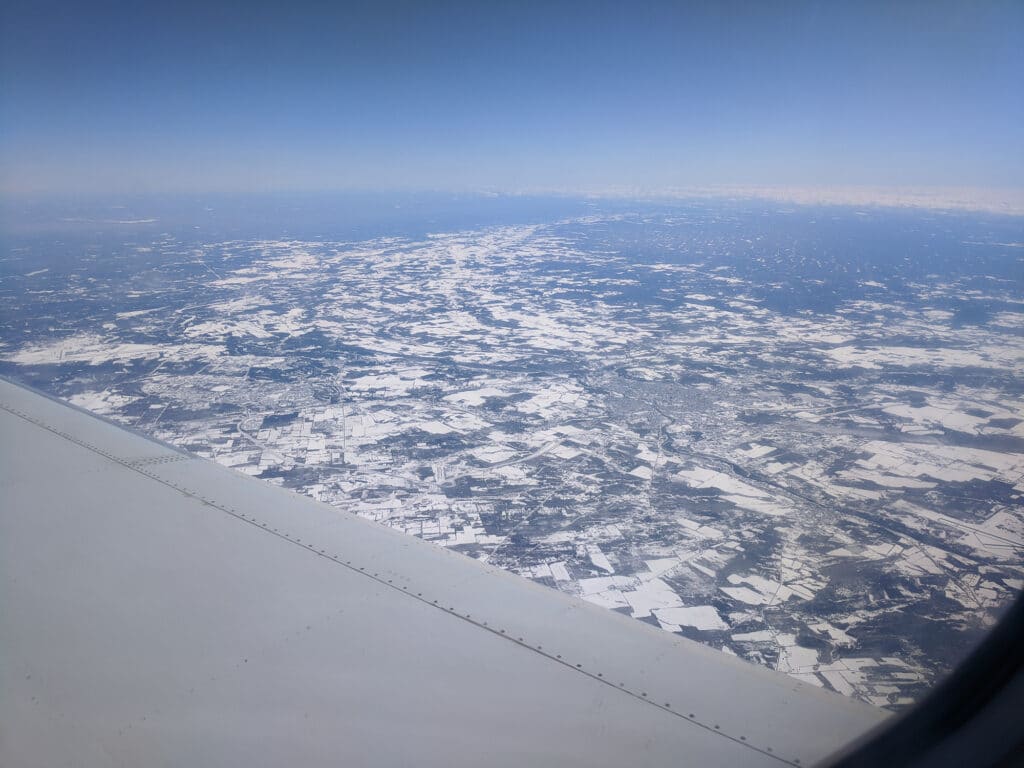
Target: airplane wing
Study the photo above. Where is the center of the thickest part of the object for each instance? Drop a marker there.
(157, 609)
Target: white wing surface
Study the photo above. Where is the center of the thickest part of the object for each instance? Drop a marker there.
(157, 609)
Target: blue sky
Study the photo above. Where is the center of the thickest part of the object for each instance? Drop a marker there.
(165, 97)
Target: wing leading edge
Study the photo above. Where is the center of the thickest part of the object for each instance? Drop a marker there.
(159, 609)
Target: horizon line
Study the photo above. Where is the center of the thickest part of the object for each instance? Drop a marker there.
(991, 199)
